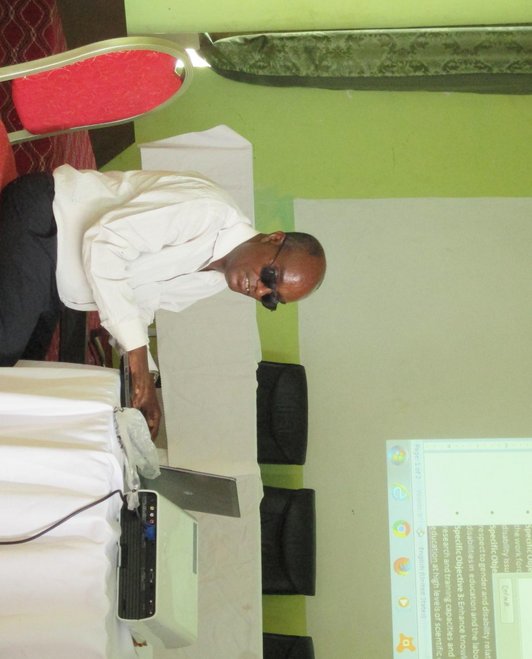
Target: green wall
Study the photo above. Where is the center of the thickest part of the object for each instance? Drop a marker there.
(327, 144)
(331, 144)
(234, 15)
(338, 144)
(342, 144)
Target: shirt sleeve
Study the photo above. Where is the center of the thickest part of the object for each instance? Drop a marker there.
(105, 255)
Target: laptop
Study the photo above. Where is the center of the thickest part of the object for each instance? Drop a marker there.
(190, 490)
(197, 490)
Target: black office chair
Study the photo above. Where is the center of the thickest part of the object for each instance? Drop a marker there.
(282, 413)
(82, 340)
(288, 541)
(73, 336)
(279, 646)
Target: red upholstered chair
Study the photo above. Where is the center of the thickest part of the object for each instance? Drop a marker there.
(101, 84)
(8, 170)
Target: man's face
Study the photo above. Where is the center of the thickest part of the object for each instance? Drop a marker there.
(293, 274)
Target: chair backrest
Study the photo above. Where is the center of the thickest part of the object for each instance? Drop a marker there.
(288, 541)
(281, 646)
(282, 413)
(102, 84)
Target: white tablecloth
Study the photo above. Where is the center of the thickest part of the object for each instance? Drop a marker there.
(58, 452)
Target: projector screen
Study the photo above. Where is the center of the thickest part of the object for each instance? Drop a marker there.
(460, 532)
(421, 329)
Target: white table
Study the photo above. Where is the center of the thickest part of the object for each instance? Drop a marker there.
(58, 451)
(208, 357)
(209, 393)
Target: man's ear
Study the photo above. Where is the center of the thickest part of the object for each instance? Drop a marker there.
(276, 238)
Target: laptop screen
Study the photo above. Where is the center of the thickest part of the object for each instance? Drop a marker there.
(197, 490)
(460, 532)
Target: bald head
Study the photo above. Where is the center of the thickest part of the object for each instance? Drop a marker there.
(312, 251)
(275, 268)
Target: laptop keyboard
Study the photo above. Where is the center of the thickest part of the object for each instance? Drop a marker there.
(138, 543)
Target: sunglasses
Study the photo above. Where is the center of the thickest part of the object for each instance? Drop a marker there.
(268, 277)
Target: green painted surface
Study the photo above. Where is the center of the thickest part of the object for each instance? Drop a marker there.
(290, 476)
(323, 144)
(312, 143)
(233, 15)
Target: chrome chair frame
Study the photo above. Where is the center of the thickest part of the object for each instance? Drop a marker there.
(183, 68)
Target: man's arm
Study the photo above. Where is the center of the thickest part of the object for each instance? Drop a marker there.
(143, 389)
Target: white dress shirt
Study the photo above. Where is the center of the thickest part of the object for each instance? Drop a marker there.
(130, 243)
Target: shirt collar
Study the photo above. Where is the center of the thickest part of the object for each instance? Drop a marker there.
(230, 238)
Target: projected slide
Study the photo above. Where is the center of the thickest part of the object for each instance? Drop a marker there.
(460, 528)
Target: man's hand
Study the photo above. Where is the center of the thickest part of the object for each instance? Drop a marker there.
(143, 395)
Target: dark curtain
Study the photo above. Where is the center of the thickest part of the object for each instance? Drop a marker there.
(491, 59)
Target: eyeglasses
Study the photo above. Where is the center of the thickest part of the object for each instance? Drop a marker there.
(268, 277)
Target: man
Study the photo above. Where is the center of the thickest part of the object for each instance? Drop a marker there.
(128, 244)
